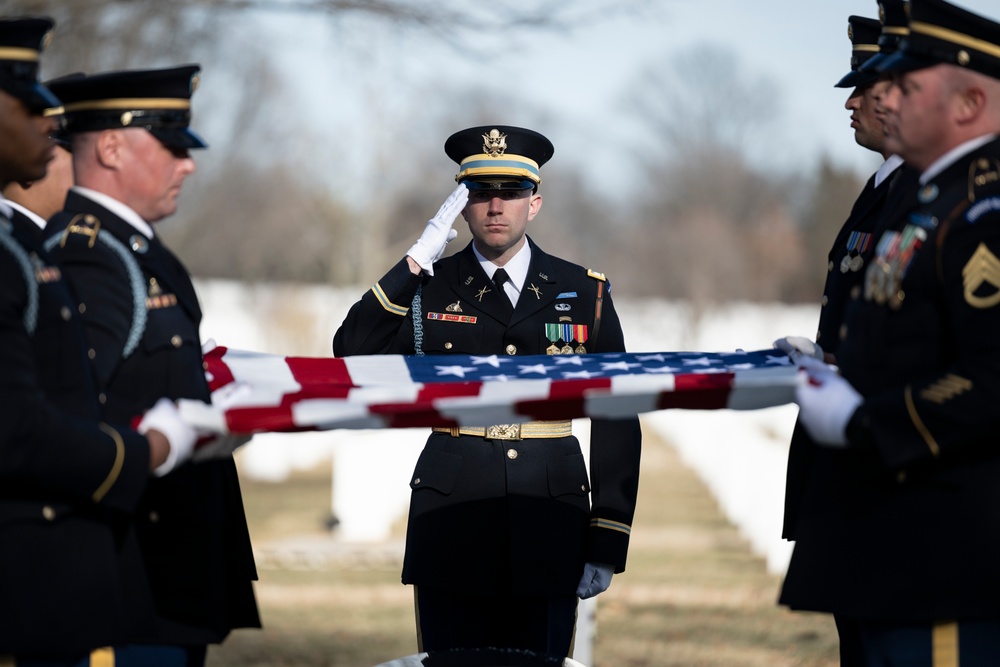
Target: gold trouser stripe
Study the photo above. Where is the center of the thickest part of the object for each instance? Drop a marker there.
(537, 429)
(102, 657)
(116, 469)
(416, 616)
(918, 423)
(944, 644)
(7, 661)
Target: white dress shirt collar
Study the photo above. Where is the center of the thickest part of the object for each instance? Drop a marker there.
(890, 165)
(118, 208)
(516, 268)
(952, 156)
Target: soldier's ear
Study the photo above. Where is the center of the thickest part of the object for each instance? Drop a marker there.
(108, 148)
(970, 104)
(534, 206)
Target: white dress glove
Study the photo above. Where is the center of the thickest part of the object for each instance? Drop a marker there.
(799, 346)
(826, 403)
(163, 417)
(438, 232)
(223, 446)
(595, 580)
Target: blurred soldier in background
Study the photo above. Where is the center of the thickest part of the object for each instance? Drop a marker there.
(70, 580)
(852, 249)
(130, 139)
(905, 533)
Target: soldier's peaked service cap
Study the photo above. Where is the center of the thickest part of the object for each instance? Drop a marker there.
(863, 33)
(941, 33)
(499, 157)
(157, 100)
(895, 17)
(21, 42)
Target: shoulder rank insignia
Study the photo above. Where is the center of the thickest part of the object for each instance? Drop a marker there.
(596, 276)
(982, 269)
(982, 172)
(85, 225)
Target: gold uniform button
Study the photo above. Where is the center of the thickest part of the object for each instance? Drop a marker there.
(855, 292)
(824, 300)
(154, 517)
(512, 454)
(102, 398)
(176, 341)
(583, 487)
(448, 346)
(511, 349)
(65, 313)
(416, 481)
(829, 267)
(843, 332)
(48, 513)
(82, 308)
(92, 353)
(900, 295)
(818, 334)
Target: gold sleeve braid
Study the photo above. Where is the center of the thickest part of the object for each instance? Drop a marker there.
(116, 468)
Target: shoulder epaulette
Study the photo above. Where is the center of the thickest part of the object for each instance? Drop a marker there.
(88, 225)
(84, 225)
(596, 276)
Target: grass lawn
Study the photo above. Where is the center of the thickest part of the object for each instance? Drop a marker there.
(693, 595)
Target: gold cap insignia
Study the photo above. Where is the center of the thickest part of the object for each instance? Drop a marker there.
(195, 80)
(963, 58)
(126, 119)
(46, 40)
(850, 32)
(494, 143)
(881, 12)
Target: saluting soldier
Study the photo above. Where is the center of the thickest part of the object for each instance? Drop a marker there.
(852, 249)
(131, 139)
(70, 581)
(505, 528)
(905, 535)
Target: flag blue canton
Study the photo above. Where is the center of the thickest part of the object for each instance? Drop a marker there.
(499, 368)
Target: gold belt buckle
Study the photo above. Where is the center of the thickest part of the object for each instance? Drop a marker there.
(503, 432)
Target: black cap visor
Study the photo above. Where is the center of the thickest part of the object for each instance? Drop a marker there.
(900, 62)
(35, 96)
(498, 183)
(857, 78)
(178, 138)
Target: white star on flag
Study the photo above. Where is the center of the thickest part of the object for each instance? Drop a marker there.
(457, 371)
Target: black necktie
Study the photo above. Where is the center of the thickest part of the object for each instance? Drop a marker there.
(499, 278)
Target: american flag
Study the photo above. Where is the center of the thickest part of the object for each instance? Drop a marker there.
(255, 392)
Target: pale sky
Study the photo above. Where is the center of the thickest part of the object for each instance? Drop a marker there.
(359, 83)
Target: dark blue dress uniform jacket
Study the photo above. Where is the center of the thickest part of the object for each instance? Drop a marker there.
(518, 517)
(848, 258)
(142, 329)
(905, 524)
(65, 481)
